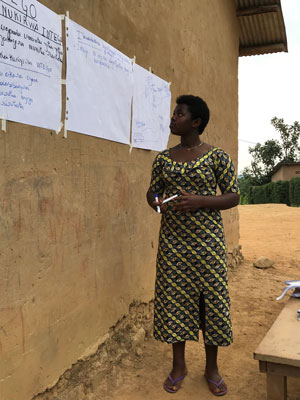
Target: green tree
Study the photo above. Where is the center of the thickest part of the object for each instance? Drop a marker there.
(289, 139)
(246, 181)
(266, 156)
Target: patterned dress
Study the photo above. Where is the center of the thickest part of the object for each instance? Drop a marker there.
(191, 259)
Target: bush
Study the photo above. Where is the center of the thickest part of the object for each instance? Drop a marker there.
(273, 192)
(250, 196)
(261, 194)
(244, 200)
(280, 192)
(294, 192)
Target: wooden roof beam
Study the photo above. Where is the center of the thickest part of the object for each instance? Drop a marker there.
(248, 11)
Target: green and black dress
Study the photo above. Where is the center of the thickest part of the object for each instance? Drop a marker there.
(191, 257)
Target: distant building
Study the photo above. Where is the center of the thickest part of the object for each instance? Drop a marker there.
(285, 171)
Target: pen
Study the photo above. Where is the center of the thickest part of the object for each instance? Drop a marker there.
(170, 198)
(157, 207)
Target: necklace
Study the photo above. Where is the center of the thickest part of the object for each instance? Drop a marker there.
(190, 148)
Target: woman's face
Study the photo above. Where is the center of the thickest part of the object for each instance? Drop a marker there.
(182, 122)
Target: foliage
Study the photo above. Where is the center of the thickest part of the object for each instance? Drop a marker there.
(280, 192)
(266, 156)
(261, 194)
(250, 198)
(246, 181)
(273, 192)
(289, 137)
(244, 199)
(295, 191)
(264, 159)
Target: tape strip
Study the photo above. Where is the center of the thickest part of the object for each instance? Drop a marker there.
(67, 19)
(150, 70)
(61, 16)
(65, 130)
(130, 149)
(59, 127)
(63, 81)
(133, 60)
(3, 124)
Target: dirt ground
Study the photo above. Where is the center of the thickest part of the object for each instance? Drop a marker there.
(269, 230)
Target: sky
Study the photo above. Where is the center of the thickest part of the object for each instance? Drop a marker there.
(269, 86)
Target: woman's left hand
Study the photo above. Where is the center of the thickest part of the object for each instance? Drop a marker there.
(188, 202)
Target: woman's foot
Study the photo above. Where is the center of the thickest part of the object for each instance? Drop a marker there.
(173, 383)
(215, 383)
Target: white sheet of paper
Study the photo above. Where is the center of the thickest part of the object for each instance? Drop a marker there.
(99, 86)
(30, 63)
(151, 110)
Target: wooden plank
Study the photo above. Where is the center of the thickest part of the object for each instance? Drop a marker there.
(248, 11)
(280, 369)
(281, 344)
(262, 366)
(276, 387)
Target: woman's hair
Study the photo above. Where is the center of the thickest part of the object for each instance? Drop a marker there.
(197, 107)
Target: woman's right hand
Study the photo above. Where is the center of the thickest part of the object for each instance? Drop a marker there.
(163, 207)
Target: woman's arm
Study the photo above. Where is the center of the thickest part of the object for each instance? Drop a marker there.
(191, 202)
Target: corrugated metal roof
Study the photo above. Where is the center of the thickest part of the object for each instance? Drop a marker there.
(262, 28)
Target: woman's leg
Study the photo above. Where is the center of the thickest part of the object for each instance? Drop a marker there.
(179, 367)
(211, 352)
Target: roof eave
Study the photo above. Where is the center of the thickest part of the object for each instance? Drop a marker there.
(262, 28)
(282, 164)
(263, 49)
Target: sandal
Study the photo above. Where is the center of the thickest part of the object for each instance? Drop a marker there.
(213, 385)
(173, 383)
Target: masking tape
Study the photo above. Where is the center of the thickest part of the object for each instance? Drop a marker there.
(65, 130)
(59, 127)
(3, 124)
(67, 19)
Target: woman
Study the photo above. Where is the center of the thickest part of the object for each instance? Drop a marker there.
(191, 290)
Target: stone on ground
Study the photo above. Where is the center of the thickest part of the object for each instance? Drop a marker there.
(263, 263)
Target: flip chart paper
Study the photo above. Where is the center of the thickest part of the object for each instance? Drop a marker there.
(99, 86)
(30, 63)
(151, 110)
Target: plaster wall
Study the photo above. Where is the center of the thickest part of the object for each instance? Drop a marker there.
(78, 241)
(286, 173)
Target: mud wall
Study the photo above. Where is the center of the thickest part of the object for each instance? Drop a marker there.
(78, 241)
(286, 173)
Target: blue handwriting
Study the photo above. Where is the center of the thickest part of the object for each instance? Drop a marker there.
(12, 103)
(8, 93)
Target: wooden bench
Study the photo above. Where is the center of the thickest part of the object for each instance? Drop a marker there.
(279, 351)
